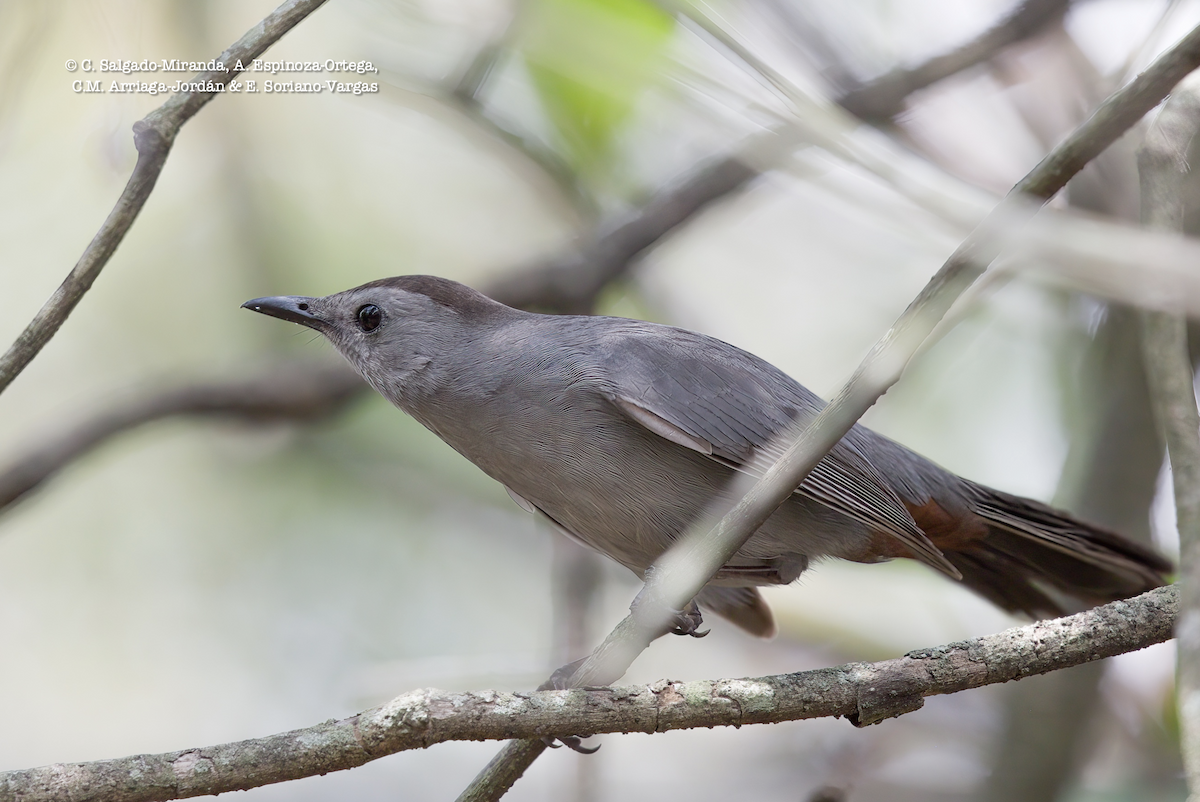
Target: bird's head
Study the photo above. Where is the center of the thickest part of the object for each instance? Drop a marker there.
(398, 332)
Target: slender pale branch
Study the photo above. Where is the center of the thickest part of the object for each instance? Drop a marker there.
(697, 559)
(153, 135)
(1162, 166)
(863, 693)
(887, 359)
(503, 770)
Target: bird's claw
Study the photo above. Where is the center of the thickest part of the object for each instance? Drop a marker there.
(688, 621)
(572, 742)
(683, 622)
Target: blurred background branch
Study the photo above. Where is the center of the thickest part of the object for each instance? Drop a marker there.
(1163, 167)
(883, 98)
(269, 395)
(154, 136)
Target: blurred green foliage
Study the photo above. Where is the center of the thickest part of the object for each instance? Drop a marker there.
(590, 61)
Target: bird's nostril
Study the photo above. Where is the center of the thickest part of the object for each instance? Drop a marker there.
(303, 307)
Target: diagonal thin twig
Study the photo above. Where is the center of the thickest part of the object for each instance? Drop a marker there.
(699, 559)
(864, 693)
(153, 135)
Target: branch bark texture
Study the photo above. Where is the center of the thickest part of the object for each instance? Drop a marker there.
(1162, 165)
(153, 135)
(864, 693)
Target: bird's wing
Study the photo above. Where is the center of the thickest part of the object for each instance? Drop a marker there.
(730, 405)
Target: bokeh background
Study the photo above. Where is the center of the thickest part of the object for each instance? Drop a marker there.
(197, 581)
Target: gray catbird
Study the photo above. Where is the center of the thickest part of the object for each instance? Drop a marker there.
(623, 432)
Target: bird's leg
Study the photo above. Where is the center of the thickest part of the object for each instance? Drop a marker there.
(682, 622)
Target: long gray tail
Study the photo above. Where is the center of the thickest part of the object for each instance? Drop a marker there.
(1033, 556)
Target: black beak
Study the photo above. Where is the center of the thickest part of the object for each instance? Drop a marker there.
(295, 308)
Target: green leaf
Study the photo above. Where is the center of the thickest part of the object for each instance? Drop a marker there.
(590, 60)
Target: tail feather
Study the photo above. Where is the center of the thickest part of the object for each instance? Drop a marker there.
(1031, 550)
(993, 577)
(743, 606)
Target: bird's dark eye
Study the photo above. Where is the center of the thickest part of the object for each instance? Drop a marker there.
(369, 317)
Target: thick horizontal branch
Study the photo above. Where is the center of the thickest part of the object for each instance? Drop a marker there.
(296, 393)
(153, 135)
(864, 693)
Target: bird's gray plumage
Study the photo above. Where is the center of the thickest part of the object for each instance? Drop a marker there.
(734, 406)
(623, 433)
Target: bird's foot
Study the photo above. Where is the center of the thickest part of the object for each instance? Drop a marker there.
(572, 742)
(560, 680)
(687, 621)
(681, 622)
